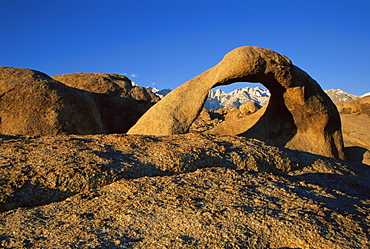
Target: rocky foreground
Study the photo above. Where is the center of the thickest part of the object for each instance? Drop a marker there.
(73, 179)
(179, 191)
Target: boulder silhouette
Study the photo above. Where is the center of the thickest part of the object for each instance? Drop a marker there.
(299, 115)
(119, 102)
(32, 103)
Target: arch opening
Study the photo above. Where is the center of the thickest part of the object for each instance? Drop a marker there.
(271, 121)
(235, 95)
(297, 116)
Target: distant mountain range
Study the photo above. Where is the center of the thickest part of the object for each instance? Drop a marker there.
(339, 96)
(218, 99)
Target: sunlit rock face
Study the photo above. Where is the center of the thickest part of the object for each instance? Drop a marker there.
(299, 114)
(355, 116)
(32, 103)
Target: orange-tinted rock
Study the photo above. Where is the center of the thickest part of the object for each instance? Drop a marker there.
(358, 106)
(248, 108)
(32, 103)
(355, 116)
(299, 114)
(119, 102)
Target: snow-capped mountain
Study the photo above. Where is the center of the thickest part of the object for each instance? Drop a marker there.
(160, 93)
(163, 92)
(153, 89)
(339, 96)
(219, 99)
(366, 94)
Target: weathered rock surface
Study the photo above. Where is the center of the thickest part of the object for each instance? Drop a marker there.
(299, 114)
(237, 193)
(119, 102)
(206, 120)
(355, 116)
(39, 170)
(248, 108)
(234, 114)
(32, 103)
(356, 130)
(358, 106)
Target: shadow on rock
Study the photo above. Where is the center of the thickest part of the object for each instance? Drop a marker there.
(357, 154)
(30, 195)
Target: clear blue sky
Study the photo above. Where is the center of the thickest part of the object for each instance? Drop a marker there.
(168, 42)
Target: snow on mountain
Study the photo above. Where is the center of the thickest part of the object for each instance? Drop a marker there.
(339, 96)
(366, 94)
(153, 89)
(159, 93)
(218, 99)
(163, 92)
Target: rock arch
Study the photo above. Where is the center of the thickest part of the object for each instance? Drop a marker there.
(299, 114)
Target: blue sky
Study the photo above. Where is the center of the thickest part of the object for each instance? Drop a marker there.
(167, 42)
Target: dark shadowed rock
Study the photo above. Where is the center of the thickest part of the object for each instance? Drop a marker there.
(357, 154)
(120, 103)
(299, 114)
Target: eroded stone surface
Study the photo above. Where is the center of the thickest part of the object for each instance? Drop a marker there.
(358, 106)
(119, 102)
(248, 108)
(189, 191)
(355, 117)
(32, 103)
(299, 114)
